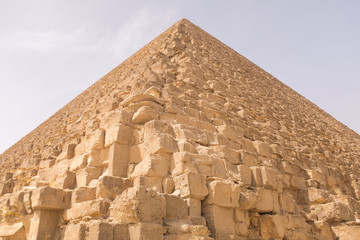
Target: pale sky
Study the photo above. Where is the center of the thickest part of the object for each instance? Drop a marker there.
(50, 51)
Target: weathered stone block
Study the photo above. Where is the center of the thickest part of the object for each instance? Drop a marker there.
(156, 128)
(245, 174)
(262, 148)
(83, 194)
(192, 185)
(272, 226)
(154, 165)
(223, 193)
(48, 198)
(287, 202)
(67, 152)
(121, 231)
(248, 159)
(146, 231)
(175, 207)
(154, 183)
(187, 132)
(78, 162)
(43, 224)
(100, 231)
(84, 176)
(93, 208)
(109, 187)
(220, 220)
(267, 201)
(138, 204)
(75, 231)
(118, 160)
(144, 114)
(95, 140)
(97, 158)
(333, 212)
(318, 196)
(161, 144)
(298, 183)
(118, 133)
(67, 180)
(12, 231)
(194, 206)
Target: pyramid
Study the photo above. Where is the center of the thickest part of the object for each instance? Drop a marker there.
(186, 139)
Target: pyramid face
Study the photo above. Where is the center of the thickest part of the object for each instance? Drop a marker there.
(186, 139)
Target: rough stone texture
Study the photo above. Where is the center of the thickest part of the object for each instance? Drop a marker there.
(186, 139)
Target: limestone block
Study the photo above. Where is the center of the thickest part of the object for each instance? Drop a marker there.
(234, 134)
(333, 212)
(78, 162)
(245, 174)
(298, 183)
(287, 203)
(146, 231)
(118, 133)
(248, 159)
(144, 114)
(121, 231)
(115, 117)
(226, 153)
(156, 128)
(318, 196)
(7, 187)
(109, 187)
(241, 229)
(12, 231)
(220, 220)
(75, 231)
(191, 185)
(267, 201)
(153, 165)
(181, 162)
(47, 163)
(175, 207)
(43, 224)
(84, 176)
(241, 215)
(262, 148)
(97, 158)
(100, 231)
(48, 198)
(323, 230)
(67, 152)
(272, 226)
(154, 183)
(136, 153)
(248, 200)
(83, 194)
(168, 185)
(186, 132)
(223, 193)
(66, 180)
(140, 98)
(95, 140)
(92, 208)
(194, 206)
(164, 143)
(118, 160)
(346, 231)
(138, 204)
(80, 148)
(317, 175)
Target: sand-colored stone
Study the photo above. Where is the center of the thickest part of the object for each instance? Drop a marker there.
(185, 140)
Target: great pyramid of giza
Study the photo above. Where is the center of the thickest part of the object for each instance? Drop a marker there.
(186, 139)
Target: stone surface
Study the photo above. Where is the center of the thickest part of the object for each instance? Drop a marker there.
(186, 139)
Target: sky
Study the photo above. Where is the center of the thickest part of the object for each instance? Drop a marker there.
(51, 51)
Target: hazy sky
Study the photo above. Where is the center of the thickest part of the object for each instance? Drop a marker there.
(50, 51)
